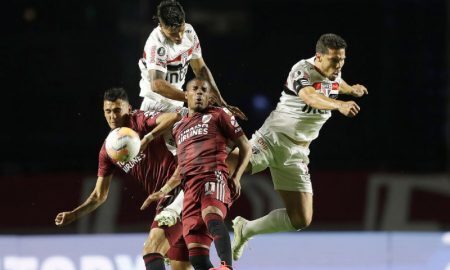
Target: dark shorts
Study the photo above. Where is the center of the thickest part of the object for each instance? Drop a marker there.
(201, 191)
(178, 250)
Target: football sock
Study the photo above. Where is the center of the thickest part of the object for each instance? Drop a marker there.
(218, 230)
(154, 261)
(276, 221)
(199, 258)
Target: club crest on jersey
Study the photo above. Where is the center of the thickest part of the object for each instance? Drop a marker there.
(206, 118)
(184, 57)
(161, 51)
(326, 89)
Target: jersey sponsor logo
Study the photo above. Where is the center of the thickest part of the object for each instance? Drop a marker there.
(161, 51)
(176, 73)
(199, 129)
(261, 144)
(152, 54)
(127, 166)
(206, 118)
(311, 110)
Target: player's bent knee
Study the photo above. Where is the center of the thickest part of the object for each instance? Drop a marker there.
(300, 222)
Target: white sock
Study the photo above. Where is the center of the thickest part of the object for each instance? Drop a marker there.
(177, 204)
(276, 221)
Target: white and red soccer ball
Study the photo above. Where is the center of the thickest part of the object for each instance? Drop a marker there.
(122, 144)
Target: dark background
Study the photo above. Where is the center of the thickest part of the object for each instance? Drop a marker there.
(58, 57)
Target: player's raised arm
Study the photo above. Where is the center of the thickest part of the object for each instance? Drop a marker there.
(356, 90)
(164, 88)
(202, 71)
(97, 198)
(164, 122)
(318, 101)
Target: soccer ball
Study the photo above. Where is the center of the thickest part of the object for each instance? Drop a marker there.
(122, 144)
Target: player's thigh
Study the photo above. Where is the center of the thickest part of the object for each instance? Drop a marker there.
(156, 242)
(262, 156)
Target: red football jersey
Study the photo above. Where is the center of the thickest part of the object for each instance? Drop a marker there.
(151, 168)
(202, 140)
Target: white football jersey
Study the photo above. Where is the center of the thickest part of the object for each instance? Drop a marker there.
(172, 59)
(303, 122)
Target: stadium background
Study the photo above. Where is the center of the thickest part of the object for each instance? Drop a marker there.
(58, 57)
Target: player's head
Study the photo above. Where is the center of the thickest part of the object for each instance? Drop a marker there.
(171, 17)
(198, 94)
(330, 54)
(116, 107)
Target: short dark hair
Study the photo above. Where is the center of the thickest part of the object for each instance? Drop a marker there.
(114, 94)
(171, 13)
(330, 41)
(198, 79)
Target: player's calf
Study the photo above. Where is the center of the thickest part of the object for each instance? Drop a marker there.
(154, 261)
(217, 228)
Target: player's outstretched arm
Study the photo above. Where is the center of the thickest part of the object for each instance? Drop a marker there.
(97, 198)
(202, 71)
(164, 122)
(163, 87)
(245, 151)
(318, 101)
(172, 183)
(356, 90)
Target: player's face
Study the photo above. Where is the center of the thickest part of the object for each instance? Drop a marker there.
(174, 34)
(331, 63)
(116, 112)
(198, 95)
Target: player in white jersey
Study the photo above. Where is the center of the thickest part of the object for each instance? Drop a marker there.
(171, 47)
(282, 143)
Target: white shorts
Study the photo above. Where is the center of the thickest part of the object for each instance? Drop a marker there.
(288, 162)
(161, 106)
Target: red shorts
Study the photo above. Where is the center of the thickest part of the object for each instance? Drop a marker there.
(178, 250)
(201, 191)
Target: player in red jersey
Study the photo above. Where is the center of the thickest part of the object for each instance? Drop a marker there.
(201, 138)
(152, 173)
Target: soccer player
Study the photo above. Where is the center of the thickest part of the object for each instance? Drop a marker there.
(282, 143)
(201, 138)
(171, 47)
(151, 172)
